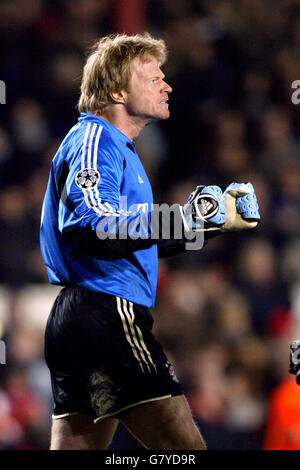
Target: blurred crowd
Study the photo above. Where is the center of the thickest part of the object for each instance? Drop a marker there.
(225, 314)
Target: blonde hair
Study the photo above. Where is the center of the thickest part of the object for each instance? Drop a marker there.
(107, 68)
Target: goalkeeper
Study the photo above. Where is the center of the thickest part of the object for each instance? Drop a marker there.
(101, 239)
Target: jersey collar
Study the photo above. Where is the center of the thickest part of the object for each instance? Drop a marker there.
(110, 127)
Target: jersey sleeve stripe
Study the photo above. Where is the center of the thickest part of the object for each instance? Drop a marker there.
(90, 153)
(96, 147)
(84, 145)
(86, 163)
(98, 199)
(89, 165)
(83, 161)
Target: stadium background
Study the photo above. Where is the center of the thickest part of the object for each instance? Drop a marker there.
(226, 314)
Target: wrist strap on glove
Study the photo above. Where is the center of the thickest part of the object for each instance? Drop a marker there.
(295, 360)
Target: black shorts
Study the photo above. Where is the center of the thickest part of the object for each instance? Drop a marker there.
(102, 355)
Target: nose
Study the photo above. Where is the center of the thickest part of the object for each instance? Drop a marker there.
(166, 87)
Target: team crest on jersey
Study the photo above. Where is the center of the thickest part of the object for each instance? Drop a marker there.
(87, 178)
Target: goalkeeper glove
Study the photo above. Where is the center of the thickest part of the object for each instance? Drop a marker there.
(295, 360)
(241, 207)
(204, 210)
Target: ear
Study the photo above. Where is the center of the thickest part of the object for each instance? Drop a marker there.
(118, 96)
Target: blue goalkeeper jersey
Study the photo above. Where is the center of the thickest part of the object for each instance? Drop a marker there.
(96, 175)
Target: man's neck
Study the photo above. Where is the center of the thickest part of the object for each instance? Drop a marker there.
(129, 125)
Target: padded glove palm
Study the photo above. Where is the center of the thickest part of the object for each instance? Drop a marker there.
(241, 207)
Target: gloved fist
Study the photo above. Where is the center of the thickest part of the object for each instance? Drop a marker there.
(204, 210)
(242, 210)
(295, 360)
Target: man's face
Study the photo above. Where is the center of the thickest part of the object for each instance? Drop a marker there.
(148, 92)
